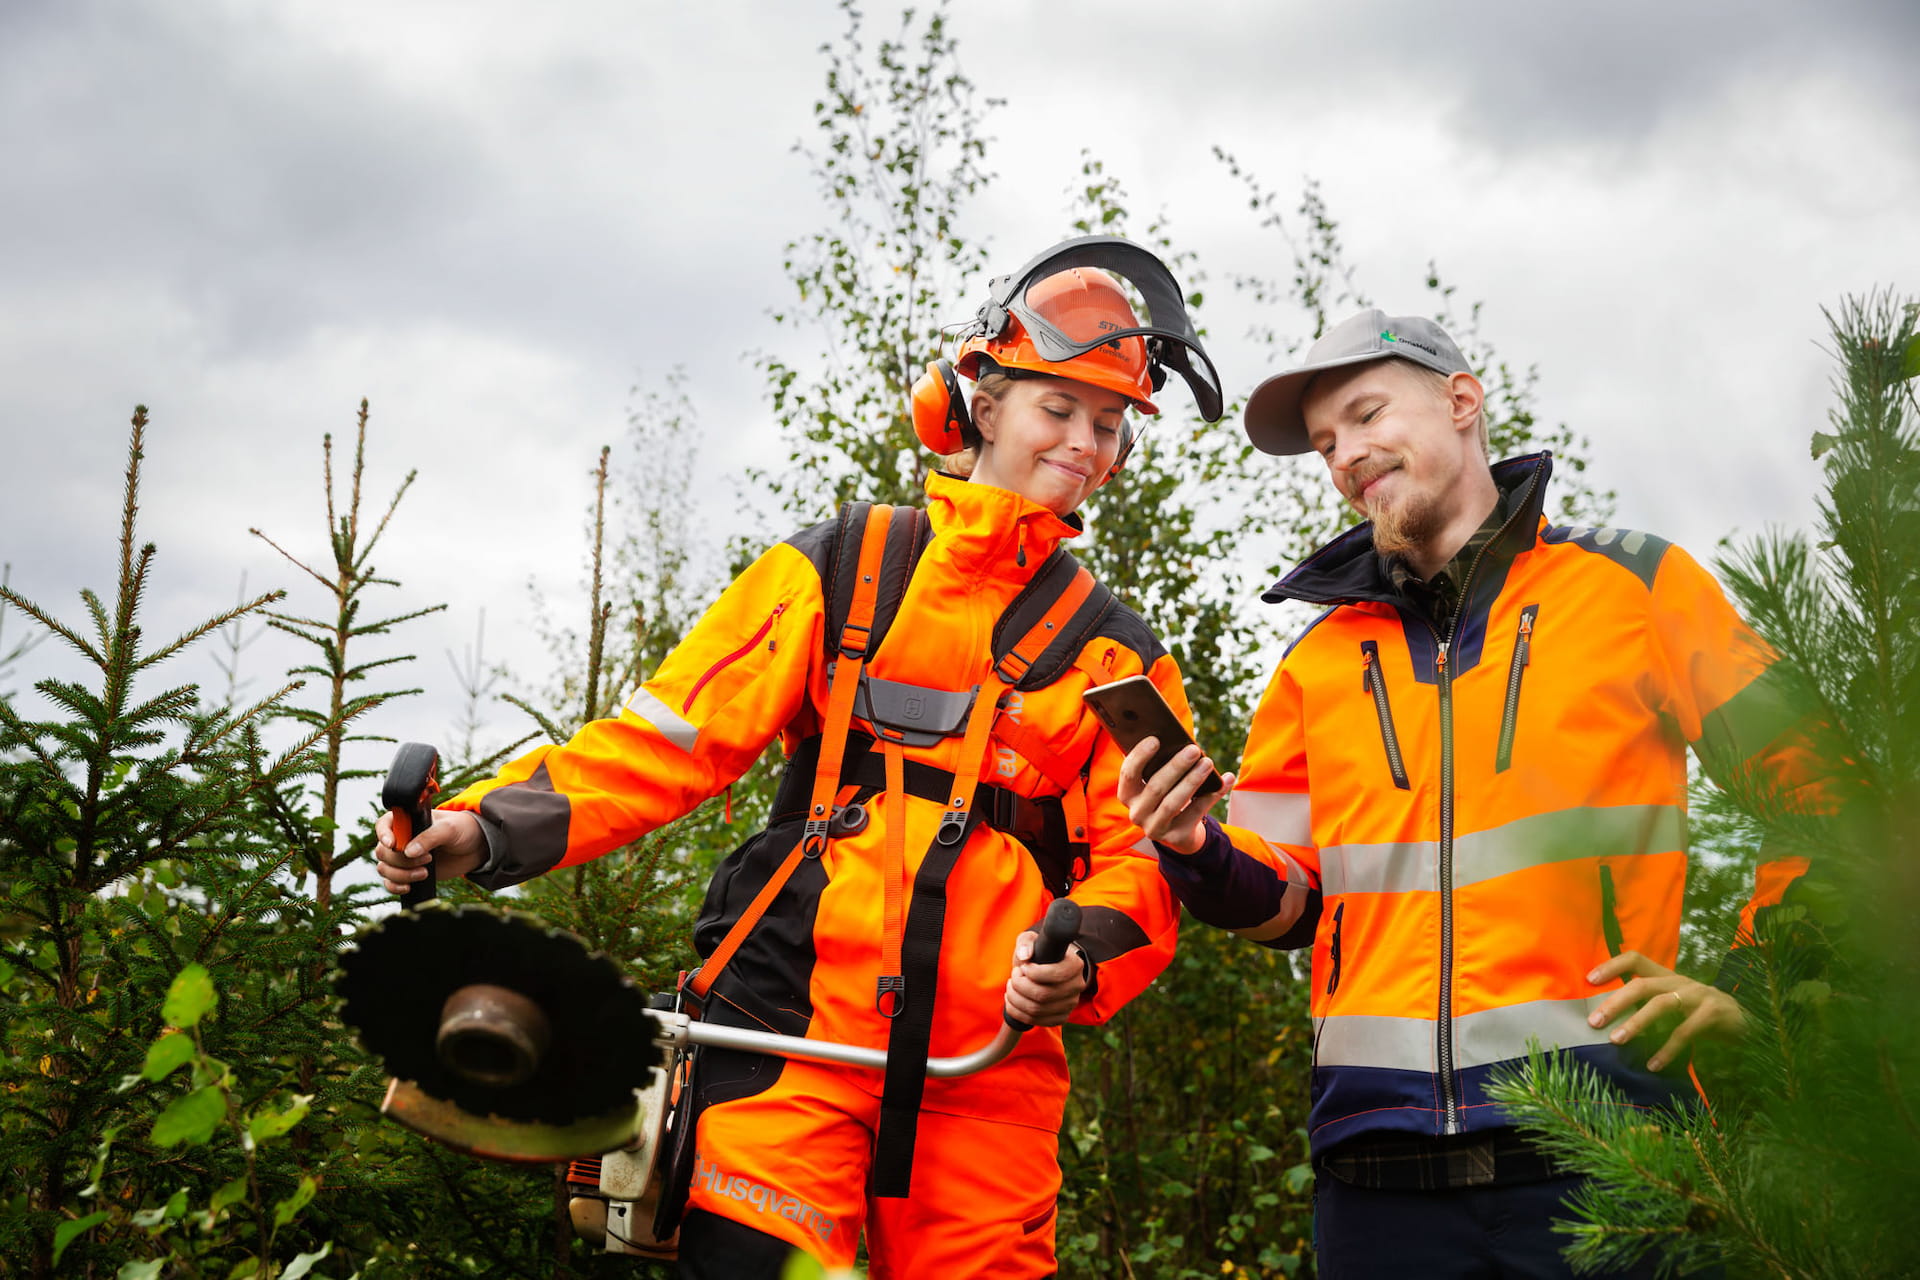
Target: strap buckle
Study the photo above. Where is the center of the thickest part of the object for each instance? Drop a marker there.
(953, 826)
(814, 836)
(893, 984)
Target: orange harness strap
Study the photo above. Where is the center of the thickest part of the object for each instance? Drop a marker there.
(833, 748)
(1023, 655)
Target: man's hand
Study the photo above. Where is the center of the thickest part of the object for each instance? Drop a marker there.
(453, 844)
(1658, 999)
(1043, 995)
(1164, 806)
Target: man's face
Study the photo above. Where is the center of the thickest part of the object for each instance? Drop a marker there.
(1396, 443)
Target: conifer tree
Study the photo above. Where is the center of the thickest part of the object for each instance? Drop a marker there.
(1804, 1166)
(128, 851)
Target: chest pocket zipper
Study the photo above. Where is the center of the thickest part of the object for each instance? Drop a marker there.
(1510, 715)
(735, 656)
(1375, 683)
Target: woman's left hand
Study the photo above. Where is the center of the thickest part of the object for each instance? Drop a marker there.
(1044, 995)
(1656, 997)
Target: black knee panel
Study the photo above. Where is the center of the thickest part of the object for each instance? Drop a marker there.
(717, 1248)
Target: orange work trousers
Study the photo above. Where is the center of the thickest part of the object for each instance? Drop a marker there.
(791, 1161)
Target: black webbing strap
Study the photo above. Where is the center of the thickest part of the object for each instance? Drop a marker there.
(912, 1031)
(1039, 824)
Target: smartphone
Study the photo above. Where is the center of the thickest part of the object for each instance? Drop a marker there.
(1133, 710)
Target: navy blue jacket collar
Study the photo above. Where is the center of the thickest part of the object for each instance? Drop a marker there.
(1347, 571)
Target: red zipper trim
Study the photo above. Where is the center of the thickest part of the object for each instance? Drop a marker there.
(733, 657)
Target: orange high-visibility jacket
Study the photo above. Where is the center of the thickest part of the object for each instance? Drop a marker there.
(754, 668)
(1469, 822)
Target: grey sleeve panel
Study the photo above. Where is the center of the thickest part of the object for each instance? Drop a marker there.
(530, 836)
(1750, 721)
(1106, 933)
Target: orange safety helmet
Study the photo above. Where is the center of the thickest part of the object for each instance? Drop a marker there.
(1065, 314)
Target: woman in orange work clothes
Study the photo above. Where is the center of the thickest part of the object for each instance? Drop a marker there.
(793, 1154)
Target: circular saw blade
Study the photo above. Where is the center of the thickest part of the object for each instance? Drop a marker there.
(397, 973)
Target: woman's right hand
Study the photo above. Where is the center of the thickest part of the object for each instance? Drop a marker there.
(1165, 805)
(453, 844)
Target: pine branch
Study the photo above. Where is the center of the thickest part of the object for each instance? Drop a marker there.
(289, 556)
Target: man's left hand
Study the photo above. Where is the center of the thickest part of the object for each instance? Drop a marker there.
(1654, 997)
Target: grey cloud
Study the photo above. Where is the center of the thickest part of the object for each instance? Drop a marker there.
(1510, 75)
(270, 183)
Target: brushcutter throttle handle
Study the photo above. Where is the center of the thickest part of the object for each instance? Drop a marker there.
(411, 783)
(1060, 927)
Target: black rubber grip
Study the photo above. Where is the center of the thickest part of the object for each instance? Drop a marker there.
(1057, 932)
(411, 782)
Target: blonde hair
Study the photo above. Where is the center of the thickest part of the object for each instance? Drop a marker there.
(1442, 384)
(994, 386)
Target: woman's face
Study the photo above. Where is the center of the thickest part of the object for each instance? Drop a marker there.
(1050, 440)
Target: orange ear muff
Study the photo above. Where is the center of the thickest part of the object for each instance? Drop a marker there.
(940, 409)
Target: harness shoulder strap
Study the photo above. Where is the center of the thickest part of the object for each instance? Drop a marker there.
(1043, 630)
(852, 642)
(907, 532)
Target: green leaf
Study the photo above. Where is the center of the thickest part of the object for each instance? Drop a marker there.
(304, 1263)
(233, 1193)
(1811, 991)
(190, 1118)
(802, 1266)
(189, 998)
(63, 1235)
(1823, 441)
(244, 1267)
(267, 1125)
(284, 1212)
(170, 1051)
(147, 1270)
(1910, 359)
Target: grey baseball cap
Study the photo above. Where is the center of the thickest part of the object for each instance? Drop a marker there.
(1273, 418)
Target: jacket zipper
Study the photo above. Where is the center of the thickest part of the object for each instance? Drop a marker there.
(733, 657)
(1375, 683)
(1443, 676)
(1333, 950)
(1522, 657)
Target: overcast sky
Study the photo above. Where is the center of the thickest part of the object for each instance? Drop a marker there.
(495, 219)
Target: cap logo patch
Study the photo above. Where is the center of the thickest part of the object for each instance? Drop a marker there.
(1388, 335)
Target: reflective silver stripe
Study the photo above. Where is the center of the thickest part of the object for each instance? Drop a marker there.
(1281, 817)
(1382, 868)
(672, 726)
(1492, 1035)
(1589, 832)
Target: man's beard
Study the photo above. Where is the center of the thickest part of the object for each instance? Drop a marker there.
(1402, 525)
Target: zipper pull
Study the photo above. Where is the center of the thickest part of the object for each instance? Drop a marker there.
(1440, 662)
(1366, 671)
(1020, 552)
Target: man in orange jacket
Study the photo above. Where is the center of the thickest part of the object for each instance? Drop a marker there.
(1465, 789)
